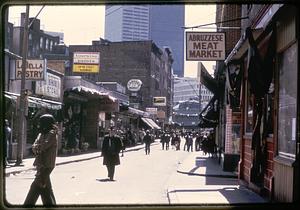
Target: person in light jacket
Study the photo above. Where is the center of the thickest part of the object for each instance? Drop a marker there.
(110, 151)
(45, 151)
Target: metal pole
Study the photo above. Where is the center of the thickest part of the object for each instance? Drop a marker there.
(22, 123)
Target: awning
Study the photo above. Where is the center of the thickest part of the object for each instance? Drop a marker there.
(208, 81)
(90, 92)
(49, 104)
(242, 45)
(150, 123)
(35, 101)
(138, 112)
(209, 115)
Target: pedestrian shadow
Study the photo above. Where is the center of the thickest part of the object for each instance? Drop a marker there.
(105, 180)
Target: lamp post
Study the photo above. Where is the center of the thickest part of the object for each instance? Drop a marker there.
(22, 105)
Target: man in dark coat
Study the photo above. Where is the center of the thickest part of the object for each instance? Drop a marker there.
(147, 139)
(45, 150)
(110, 151)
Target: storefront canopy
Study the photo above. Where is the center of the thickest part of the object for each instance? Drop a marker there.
(209, 115)
(35, 101)
(91, 93)
(150, 123)
(208, 81)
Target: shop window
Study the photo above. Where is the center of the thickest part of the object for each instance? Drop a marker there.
(248, 110)
(270, 110)
(287, 106)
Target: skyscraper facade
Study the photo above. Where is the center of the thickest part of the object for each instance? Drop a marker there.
(149, 22)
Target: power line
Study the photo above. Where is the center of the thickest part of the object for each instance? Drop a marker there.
(225, 21)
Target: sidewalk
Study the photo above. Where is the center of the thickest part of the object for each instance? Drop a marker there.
(200, 180)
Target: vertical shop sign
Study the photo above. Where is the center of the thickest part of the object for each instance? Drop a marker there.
(50, 86)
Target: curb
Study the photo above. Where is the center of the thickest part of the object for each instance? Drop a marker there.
(208, 175)
(172, 196)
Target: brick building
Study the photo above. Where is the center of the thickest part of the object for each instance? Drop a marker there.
(123, 61)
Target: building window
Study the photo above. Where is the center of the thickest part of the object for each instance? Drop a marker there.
(287, 106)
(51, 45)
(41, 42)
(47, 44)
(248, 110)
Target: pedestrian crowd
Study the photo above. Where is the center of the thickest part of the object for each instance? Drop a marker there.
(114, 143)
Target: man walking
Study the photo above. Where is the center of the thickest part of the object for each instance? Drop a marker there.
(147, 139)
(7, 140)
(45, 150)
(110, 151)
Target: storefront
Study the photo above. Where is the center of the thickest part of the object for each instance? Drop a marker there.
(35, 108)
(269, 162)
(86, 111)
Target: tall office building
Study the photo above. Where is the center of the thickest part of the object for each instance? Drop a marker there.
(160, 23)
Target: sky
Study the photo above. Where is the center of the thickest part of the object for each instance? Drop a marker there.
(82, 24)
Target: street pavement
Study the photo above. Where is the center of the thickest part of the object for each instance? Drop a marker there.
(199, 179)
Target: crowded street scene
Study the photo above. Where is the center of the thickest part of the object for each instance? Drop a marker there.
(150, 105)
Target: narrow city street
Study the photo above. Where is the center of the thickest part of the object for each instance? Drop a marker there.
(140, 179)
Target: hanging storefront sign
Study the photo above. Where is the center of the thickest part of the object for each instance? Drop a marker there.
(159, 101)
(205, 46)
(161, 114)
(86, 62)
(151, 110)
(35, 69)
(134, 85)
(50, 87)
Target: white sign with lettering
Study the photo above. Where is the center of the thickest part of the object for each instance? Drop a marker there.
(35, 69)
(205, 46)
(50, 87)
(134, 85)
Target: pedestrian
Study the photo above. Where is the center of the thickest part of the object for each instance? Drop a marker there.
(185, 137)
(177, 142)
(189, 141)
(7, 141)
(168, 137)
(198, 142)
(163, 140)
(45, 151)
(147, 139)
(110, 151)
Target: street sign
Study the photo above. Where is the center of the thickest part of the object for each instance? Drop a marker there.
(159, 101)
(151, 110)
(134, 85)
(50, 87)
(205, 46)
(86, 62)
(35, 69)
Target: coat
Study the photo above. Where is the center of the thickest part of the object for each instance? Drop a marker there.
(111, 152)
(45, 149)
(147, 139)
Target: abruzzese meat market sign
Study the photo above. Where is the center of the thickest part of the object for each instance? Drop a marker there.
(205, 46)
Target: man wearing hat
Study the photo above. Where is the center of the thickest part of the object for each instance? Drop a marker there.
(111, 148)
(45, 151)
(147, 139)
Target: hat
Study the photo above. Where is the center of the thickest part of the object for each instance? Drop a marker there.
(48, 119)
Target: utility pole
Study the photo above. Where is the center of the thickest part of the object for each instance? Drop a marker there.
(22, 107)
